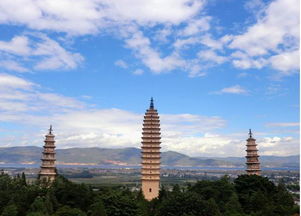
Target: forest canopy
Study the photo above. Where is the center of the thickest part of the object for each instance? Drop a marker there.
(245, 196)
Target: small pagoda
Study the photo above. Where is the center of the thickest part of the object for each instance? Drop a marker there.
(253, 164)
(151, 153)
(48, 169)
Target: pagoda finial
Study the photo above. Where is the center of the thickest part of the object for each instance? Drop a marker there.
(151, 106)
(250, 133)
(50, 129)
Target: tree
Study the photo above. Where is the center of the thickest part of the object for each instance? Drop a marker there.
(233, 207)
(249, 186)
(50, 201)
(97, 209)
(39, 206)
(35, 214)
(71, 194)
(162, 193)
(68, 211)
(180, 203)
(284, 202)
(259, 196)
(23, 179)
(10, 210)
(220, 190)
(120, 204)
(212, 208)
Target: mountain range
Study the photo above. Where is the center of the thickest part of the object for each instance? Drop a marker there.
(131, 157)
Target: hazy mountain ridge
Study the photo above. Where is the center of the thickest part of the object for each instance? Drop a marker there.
(131, 156)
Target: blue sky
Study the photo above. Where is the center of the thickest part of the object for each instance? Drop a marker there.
(215, 69)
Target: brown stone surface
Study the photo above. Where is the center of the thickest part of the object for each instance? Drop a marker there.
(151, 154)
(253, 164)
(48, 168)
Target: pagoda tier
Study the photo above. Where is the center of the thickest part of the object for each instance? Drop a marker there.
(48, 168)
(150, 170)
(253, 164)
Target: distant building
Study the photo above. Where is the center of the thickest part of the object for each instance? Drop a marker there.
(253, 164)
(48, 169)
(151, 153)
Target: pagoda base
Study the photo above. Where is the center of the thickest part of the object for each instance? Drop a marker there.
(150, 189)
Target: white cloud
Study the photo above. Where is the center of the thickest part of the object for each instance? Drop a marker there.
(121, 63)
(208, 41)
(55, 56)
(196, 26)
(246, 63)
(170, 11)
(279, 23)
(211, 56)
(254, 5)
(150, 57)
(280, 146)
(162, 34)
(275, 34)
(272, 41)
(78, 17)
(19, 95)
(283, 124)
(76, 124)
(195, 69)
(208, 145)
(236, 89)
(138, 72)
(184, 43)
(125, 19)
(46, 52)
(18, 45)
(115, 128)
(188, 124)
(90, 16)
(10, 81)
(286, 61)
(243, 74)
(13, 66)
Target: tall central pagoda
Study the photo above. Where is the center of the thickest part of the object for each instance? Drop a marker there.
(48, 169)
(151, 153)
(253, 164)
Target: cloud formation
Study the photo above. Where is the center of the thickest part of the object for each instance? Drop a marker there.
(77, 124)
(283, 124)
(236, 89)
(93, 16)
(148, 27)
(47, 53)
(273, 40)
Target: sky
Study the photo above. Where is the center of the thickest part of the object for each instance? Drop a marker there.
(89, 67)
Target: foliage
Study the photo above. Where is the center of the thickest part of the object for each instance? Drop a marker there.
(68, 211)
(10, 210)
(246, 196)
(97, 209)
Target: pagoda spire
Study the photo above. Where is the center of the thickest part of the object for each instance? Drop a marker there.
(253, 164)
(48, 168)
(150, 170)
(151, 106)
(50, 129)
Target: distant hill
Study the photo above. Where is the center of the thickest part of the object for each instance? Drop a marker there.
(131, 156)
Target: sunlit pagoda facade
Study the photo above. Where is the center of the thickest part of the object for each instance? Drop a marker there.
(151, 153)
(253, 164)
(48, 168)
